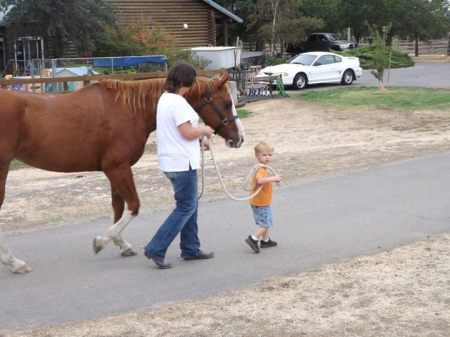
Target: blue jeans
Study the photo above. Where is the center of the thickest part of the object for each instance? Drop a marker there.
(183, 218)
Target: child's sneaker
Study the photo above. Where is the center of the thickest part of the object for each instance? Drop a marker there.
(252, 243)
(268, 243)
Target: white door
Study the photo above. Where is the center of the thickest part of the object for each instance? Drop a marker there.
(326, 69)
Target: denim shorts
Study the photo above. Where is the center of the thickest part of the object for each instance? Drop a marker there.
(263, 216)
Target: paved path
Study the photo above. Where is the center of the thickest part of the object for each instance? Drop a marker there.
(317, 223)
(425, 75)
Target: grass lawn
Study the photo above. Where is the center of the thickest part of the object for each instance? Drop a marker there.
(392, 98)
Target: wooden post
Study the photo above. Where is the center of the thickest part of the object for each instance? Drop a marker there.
(448, 45)
(225, 32)
(416, 44)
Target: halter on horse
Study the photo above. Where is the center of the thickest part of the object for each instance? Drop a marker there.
(224, 121)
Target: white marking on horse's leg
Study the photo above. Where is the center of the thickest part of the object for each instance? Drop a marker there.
(101, 241)
(6, 257)
(125, 248)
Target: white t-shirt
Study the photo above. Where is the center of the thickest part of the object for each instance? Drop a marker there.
(175, 153)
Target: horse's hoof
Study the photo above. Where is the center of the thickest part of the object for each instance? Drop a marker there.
(22, 269)
(128, 252)
(97, 245)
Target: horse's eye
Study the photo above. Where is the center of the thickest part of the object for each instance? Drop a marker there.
(228, 105)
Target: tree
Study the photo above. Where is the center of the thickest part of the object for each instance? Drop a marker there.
(82, 21)
(381, 55)
(292, 26)
(275, 21)
(418, 18)
(357, 13)
(421, 18)
(274, 8)
(326, 10)
(294, 31)
(256, 16)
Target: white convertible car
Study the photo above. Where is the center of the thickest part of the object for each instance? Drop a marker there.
(314, 68)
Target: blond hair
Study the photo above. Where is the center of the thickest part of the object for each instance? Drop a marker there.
(263, 146)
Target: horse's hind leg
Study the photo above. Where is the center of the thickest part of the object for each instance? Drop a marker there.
(118, 205)
(6, 257)
(121, 179)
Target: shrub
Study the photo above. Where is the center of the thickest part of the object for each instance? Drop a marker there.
(137, 39)
(366, 56)
(274, 60)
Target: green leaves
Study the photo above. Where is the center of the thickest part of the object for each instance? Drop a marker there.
(83, 21)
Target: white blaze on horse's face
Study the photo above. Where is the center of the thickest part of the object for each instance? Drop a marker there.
(239, 126)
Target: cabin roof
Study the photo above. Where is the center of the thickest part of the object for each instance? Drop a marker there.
(224, 11)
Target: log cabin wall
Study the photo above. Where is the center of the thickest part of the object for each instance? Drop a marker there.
(192, 23)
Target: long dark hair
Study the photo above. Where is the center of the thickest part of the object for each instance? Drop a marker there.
(180, 75)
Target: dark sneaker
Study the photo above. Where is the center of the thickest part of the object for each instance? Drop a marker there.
(159, 262)
(199, 256)
(252, 243)
(268, 244)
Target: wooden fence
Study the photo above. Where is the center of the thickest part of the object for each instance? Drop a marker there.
(428, 47)
(37, 84)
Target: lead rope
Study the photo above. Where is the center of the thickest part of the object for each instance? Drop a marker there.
(252, 172)
(202, 151)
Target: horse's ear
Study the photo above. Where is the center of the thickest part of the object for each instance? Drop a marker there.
(223, 79)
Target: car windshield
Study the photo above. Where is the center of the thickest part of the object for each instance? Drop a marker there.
(304, 59)
(332, 37)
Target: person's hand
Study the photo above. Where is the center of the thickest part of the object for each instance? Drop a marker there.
(205, 143)
(277, 180)
(207, 131)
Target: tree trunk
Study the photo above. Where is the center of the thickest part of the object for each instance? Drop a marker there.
(274, 21)
(416, 44)
(448, 40)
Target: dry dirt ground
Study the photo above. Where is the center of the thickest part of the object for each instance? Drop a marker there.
(404, 292)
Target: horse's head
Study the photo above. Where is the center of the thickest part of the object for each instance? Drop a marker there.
(212, 100)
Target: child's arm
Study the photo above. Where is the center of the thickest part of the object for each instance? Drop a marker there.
(270, 179)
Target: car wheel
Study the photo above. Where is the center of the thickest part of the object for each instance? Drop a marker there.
(347, 78)
(300, 81)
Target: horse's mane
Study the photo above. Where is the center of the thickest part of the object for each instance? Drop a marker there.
(135, 93)
(201, 87)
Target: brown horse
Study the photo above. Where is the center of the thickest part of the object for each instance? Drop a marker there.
(102, 127)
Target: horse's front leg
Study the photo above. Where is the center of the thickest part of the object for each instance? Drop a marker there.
(113, 233)
(118, 205)
(125, 248)
(122, 186)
